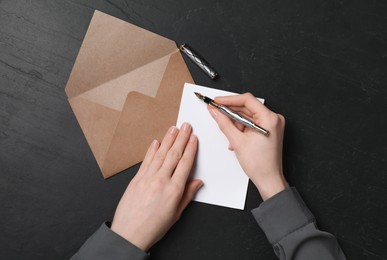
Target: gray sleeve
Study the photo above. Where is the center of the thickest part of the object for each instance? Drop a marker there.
(291, 229)
(105, 244)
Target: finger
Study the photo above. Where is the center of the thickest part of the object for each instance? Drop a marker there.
(166, 144)
(242, 110)
(148, 158)
(191, 189)
(184, 166)
(177, 150)
(245, 100)
(227, 126)
(239, 126)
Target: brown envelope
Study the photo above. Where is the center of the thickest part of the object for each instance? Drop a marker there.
(125, 90)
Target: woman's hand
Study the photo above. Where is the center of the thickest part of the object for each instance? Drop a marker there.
(158, 194)
(260, 156)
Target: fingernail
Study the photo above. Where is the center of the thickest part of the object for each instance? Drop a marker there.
(186, 127)
(199, 185)
(213, 113)
(193, 138)
(172, 130)
(154, 143)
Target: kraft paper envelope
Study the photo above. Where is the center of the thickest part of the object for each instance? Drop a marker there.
(125, 90)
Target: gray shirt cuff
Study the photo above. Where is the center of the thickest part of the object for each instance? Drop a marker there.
(105, 244)
(282, 214)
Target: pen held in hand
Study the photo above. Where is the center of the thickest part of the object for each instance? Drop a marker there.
(232, 114)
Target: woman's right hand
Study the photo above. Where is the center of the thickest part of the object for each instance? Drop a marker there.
(260, 156)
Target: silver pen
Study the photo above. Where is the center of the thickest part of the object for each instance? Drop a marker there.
(232, 114)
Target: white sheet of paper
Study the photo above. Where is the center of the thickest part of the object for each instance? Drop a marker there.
(225, 183)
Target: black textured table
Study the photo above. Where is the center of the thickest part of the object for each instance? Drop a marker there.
(322, 64)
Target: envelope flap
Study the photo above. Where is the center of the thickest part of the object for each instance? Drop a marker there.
(112, 48)
(145, 80)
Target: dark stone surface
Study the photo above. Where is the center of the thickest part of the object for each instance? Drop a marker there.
(322, 64)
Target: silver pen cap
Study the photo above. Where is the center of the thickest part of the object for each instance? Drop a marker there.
(199, 60)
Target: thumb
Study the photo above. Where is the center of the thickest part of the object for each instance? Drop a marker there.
(226, 125)
(190, 190)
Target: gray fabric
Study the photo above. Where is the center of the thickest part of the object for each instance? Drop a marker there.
(291, 229)
(288, 224)
(105, 244)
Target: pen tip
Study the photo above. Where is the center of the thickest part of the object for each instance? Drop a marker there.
(200, 96)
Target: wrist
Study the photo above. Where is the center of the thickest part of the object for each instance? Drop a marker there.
(270, 187)
(129, 235)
